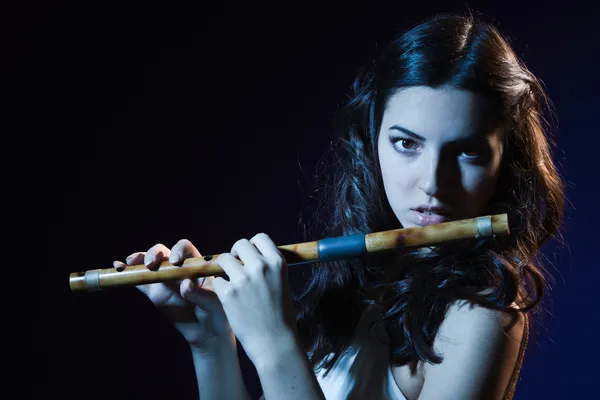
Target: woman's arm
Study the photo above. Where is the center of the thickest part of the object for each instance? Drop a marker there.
(481, 350)
(218, 372)
(285, 372)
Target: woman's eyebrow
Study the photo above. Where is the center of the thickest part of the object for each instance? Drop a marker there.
(408, 132)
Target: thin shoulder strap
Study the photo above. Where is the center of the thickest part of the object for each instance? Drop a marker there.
(512, 384)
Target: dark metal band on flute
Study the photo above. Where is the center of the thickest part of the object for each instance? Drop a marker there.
(327, 249)
(341, 247)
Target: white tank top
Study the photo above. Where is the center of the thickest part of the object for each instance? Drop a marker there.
(364, 371)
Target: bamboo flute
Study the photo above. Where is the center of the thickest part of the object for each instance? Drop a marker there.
(322, 250)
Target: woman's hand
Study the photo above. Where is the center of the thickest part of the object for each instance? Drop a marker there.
(192, 306)
(257, 299)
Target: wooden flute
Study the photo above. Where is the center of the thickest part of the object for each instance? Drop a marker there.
(322, 250)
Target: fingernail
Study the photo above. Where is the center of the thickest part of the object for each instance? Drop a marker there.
(148, 261)
(190, 288)
(118, 266)
(174, 257)
(128, 258)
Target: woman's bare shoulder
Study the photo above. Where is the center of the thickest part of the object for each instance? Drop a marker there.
(480, 348)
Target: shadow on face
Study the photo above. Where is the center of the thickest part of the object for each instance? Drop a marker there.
(440, 148)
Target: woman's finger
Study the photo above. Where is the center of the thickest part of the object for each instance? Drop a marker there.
(118, 265)
(245, 251)
(267, 247)
(156, 255)
(195, 293)
(231, 266)
(182, 250)
(132, 259)
(135, 258)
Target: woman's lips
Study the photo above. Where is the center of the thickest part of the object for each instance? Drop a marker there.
(424, 219)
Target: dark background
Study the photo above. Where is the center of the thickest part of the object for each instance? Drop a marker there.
(135, 123)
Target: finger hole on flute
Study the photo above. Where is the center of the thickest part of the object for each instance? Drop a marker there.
(119, 266)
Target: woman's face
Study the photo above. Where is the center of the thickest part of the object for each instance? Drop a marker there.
(439, 150)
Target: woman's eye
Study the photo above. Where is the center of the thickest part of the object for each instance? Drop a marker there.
(405, 144)
(408, 144)
(470, 154)
(474, 153)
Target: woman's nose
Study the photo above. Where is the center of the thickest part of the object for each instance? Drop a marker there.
(430, 175)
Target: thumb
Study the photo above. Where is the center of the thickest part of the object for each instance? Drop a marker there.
(199, 293)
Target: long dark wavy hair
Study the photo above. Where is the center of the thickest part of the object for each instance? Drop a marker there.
(449, 50)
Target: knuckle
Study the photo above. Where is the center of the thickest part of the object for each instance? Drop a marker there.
(265, 263)
(179, 246)
(258, 236)
(258, 268)
(183, 243)
(246, 279)
(260, 272)
(135, 255)
(241, 241)
(161, 247)
(230, 292)
(278, 263)
(156, 248)
(258, 263)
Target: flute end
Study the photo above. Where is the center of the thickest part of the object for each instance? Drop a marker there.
(88, 281)
(500, 224)
(77, 281)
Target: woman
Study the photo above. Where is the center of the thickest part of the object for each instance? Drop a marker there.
(447, 124)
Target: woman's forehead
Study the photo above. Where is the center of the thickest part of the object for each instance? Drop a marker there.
(440, 114)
